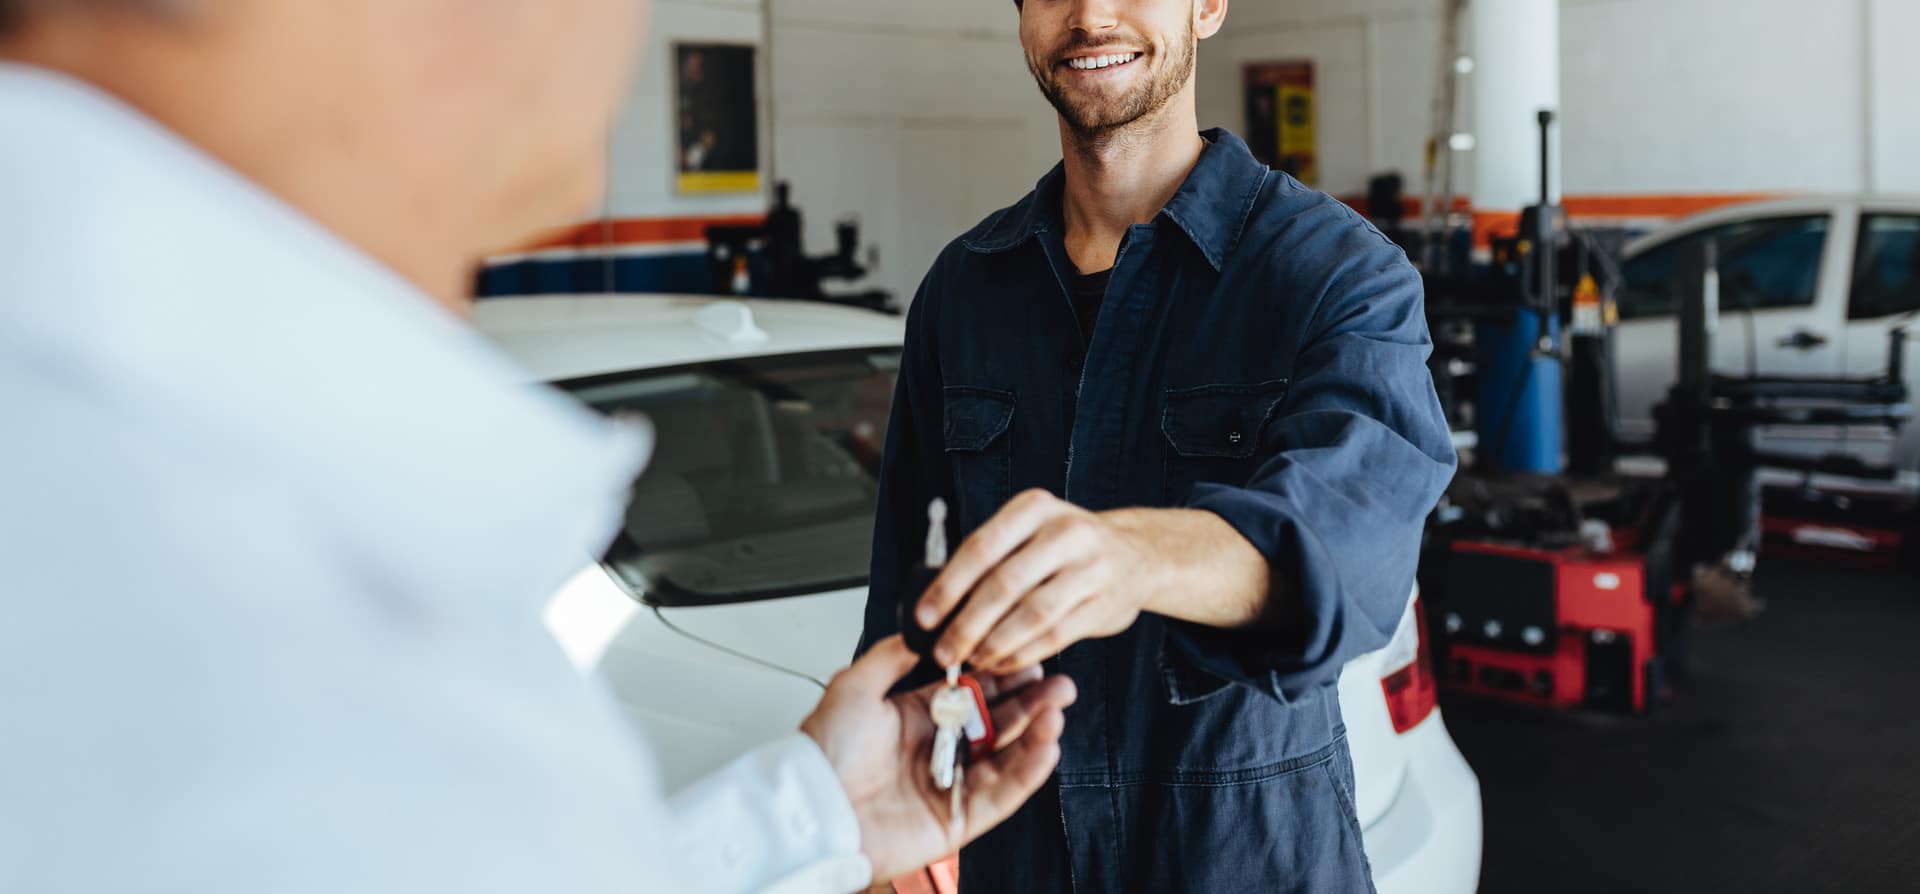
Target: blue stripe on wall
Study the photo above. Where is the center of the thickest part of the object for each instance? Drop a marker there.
(678, 273)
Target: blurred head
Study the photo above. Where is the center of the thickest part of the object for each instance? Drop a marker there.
(1107, 65)
(424, 130)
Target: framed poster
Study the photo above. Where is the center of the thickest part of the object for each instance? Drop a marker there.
(716, 118)
(1280, 116)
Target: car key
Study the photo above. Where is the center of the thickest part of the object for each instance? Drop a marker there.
(948, 709)
(960, 713)
(919, 638)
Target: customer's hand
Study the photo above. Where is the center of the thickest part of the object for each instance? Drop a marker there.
(880, 748)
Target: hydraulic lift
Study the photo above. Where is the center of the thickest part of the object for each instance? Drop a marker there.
(1551, 580)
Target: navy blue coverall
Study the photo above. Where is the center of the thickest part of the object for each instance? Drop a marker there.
(1260, 354)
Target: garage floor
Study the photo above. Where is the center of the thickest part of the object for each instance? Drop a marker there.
(1790, 762)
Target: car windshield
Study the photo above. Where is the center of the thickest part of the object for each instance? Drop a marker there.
(764, 477)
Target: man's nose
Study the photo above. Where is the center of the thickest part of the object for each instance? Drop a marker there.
(1093, 16)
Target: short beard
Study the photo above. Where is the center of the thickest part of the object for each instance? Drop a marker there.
(1102, 124)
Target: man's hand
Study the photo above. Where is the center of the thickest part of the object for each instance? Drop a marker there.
(1044, 574)
(880, 748)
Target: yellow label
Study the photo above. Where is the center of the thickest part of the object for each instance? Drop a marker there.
(720, 181)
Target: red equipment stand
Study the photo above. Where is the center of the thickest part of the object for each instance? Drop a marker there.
(1858, 528)
(1558, 628)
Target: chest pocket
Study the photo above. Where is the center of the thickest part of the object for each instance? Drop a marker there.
(976, 432)
(1217, 433)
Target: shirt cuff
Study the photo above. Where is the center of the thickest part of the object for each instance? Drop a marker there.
(774, 820)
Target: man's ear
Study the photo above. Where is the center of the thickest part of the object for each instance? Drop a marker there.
(1208, 17)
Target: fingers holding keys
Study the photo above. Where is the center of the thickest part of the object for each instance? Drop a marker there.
(982, 552)
(1037, 578)
(1086, 621)
(1037, 617)
(1056, 537)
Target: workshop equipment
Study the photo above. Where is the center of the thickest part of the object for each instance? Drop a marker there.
(1860, 528)
(1569, 591)
(786, 270)
(1564, 628)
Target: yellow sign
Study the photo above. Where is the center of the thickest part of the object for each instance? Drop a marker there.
(1280, 117)
(720, 181)
(1296, 130)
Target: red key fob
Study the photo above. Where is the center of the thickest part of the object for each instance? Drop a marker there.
(979, 727)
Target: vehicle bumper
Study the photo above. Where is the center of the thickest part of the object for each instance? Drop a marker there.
(1429, 840)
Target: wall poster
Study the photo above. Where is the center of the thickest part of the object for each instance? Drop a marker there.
(1280, 117)
(717, 120)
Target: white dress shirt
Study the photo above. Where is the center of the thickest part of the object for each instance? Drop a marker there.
(275, 536)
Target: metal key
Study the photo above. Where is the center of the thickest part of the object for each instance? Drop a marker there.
(949, 710)
(953, 705)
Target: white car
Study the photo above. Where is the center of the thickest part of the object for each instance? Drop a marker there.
(1808, 287)
(739, 582)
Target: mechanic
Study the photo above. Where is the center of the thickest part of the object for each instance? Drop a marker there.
(1181, 403)
(278, 527)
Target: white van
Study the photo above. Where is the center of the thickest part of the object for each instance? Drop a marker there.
(1808, 287)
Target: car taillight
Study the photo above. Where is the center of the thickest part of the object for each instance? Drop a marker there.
(1411, 691)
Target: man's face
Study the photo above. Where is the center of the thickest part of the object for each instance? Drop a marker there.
(1105, 64)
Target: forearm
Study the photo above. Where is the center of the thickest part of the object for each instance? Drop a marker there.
(1201, 569)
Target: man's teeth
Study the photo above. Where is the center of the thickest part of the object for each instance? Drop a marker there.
(1088, 63)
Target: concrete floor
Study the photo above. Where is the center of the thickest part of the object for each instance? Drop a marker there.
(1790, 762)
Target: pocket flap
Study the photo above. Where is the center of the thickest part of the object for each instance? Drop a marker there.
(1220, 420)
(976, 416)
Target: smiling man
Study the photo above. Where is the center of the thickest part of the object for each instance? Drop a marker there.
(1181, 403)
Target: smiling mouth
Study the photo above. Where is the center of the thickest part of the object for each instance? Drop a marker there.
(1101, 62)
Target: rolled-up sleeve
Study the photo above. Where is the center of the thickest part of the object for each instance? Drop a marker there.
(1363, 453)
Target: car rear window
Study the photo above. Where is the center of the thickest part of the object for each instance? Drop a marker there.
(764, 477)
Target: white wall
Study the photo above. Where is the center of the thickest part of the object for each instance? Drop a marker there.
(1659, 96)
(1692, 96)
(918, 116)
(1894, 109)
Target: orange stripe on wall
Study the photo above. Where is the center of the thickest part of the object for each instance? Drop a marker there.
(1644, 206)
(1488, 224)
(637, 231)
(1657, 205)
(649, 230)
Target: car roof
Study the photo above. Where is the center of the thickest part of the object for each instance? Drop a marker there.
(558, 337)
(1771, 208)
